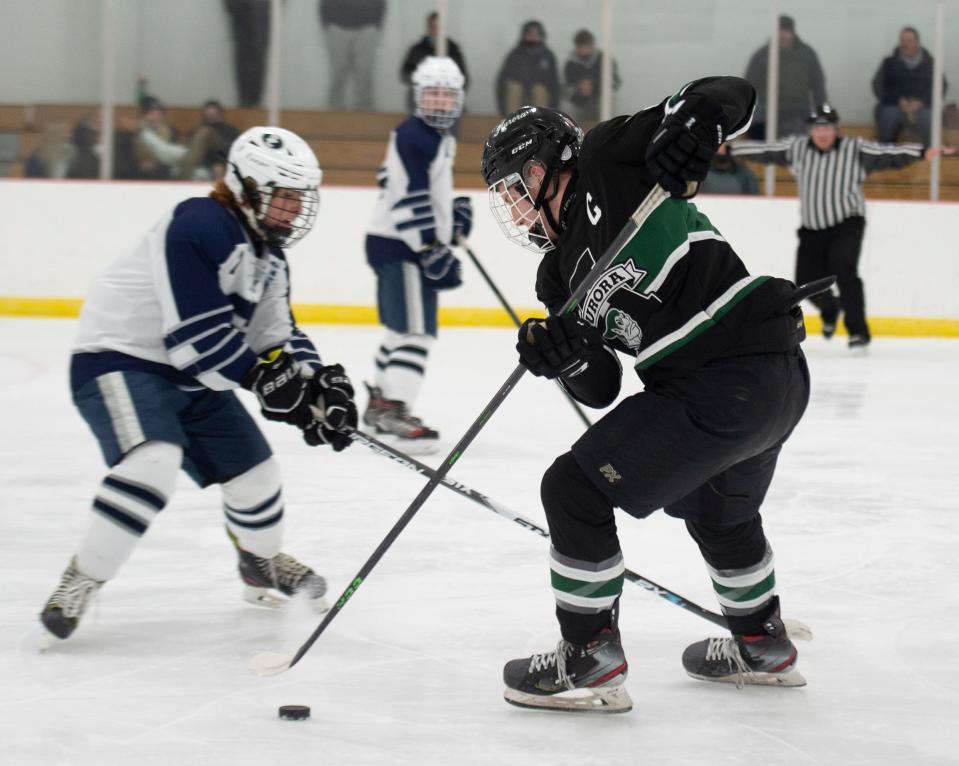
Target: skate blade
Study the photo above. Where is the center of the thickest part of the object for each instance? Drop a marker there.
(789, 678)
(269, 663)
(608, 699)
(269, 599)
(47, 641)
(798, 630)
(409, 446)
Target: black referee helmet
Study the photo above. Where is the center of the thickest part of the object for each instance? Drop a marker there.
(823, 115)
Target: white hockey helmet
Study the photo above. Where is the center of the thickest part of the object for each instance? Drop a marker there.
(263, 160)
(438, 91)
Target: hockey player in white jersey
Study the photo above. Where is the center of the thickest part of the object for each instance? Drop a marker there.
(415, 222)
(198, 308)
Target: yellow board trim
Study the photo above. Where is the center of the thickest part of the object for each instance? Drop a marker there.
(462, 316)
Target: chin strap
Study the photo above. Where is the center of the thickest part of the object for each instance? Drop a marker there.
(550, 176)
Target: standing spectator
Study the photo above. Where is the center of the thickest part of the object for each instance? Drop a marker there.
(250, 21)
(51, 159)
(427, 47)
(582, 77)
(352, 31)
(727, 175)
(830, 171)
(209, 143)
(903, 85)
(802, 84)
(529, 74)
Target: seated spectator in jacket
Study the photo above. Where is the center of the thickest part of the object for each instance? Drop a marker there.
(211, 139)
(802, 83)
(529, 74)
(903, 85)
(51, 159)
(727, 175)
(426, 46)
(86, 147)
(582, 77)
(157, 152)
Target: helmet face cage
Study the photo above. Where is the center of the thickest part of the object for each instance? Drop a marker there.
(273, 172)
(438, 92)
(514, 210)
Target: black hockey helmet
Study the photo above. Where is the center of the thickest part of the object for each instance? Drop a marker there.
(823, 115)
(531, 134)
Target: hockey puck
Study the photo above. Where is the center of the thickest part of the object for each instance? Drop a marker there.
(294, 712)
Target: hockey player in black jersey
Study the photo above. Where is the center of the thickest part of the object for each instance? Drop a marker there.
(716, 348)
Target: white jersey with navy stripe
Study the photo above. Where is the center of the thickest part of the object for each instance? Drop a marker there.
(416, 179)
(195, 295)
(830, 182)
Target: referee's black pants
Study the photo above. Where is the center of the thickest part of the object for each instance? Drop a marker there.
(836, 251)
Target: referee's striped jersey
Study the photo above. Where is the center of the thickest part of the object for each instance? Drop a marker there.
(830, 182)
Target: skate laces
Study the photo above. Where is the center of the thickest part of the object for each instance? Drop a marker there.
(74, 591)
(557, 657)
(286, 570)
(720, 649)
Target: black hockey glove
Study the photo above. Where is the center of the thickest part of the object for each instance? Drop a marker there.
(684, 144)
(462, 218)
(333, 408)
(280, 389)
(558, 345)
(440, 268)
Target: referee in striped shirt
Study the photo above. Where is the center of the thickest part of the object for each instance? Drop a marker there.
(830, 171)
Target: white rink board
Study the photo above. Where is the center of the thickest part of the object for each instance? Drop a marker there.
(57, 234)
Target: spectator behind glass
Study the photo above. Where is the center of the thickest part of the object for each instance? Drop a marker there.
(802, 84)
(209, 143)
(351, 29)
(250, 22)
(582, 77)
(51, 159)
(427, 47)
(156, 150)
(86, 147)
(903, 85)
(727, 175)
(529, 74)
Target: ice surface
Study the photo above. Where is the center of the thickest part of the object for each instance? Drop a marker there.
(863, 516)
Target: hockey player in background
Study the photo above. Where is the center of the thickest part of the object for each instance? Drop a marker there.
(198, 308)
(408, 245)
(717, 350)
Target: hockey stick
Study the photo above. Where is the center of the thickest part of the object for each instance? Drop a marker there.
(512, 315)
(794, 628)
(269, 663)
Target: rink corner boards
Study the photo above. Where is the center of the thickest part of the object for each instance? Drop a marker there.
(466, 316)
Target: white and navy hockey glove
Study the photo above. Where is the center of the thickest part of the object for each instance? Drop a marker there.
(683, 145)
(440, 268)
(333, 408)
(462, 218)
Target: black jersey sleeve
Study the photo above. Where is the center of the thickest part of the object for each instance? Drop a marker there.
(736, 96)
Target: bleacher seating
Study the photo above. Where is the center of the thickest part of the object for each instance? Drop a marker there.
(350, 145)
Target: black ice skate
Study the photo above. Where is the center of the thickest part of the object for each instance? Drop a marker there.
(69, 601)
(858, 342)
(391, 418)
(283, 573)
(765, 659)
(828, 329)
(575, 677)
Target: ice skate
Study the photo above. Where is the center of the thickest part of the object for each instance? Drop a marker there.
(584, 678)
(765, 659)
(859, 343)
(390, 418)
(828, 329)
(263, 578)
(62, 612)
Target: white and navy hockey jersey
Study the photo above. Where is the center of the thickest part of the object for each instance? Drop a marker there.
(197, 299)
(415, 206)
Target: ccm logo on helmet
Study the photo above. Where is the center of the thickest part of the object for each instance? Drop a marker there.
(520, 147)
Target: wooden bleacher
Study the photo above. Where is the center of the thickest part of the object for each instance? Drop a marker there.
(350, 145)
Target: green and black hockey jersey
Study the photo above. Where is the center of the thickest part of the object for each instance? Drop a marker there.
(677, 296)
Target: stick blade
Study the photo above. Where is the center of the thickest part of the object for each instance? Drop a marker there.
(269, 663)
(798, 630)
